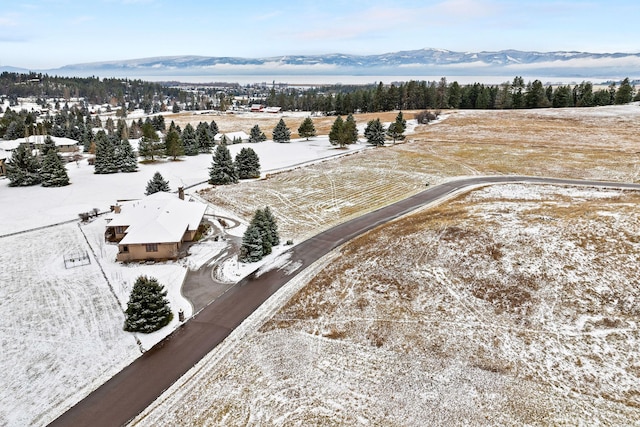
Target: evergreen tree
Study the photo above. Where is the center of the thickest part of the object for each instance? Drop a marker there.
(213, 128)
(189, 141)
(105, 161)
(624, 95)
(257, 135)
(351, 130)
(272, 227)
(261, 236)
(48, 146)
(339, 133)
(150, 145)
(222, 170)
(23, 169)
(307, 129)
(204, 137)
(53, 173)
(375, 132)
(173, 145)
(87, 136)
(251, 250)
(148, 309)
(127, 159)
(156, 184)
(247, 164)
(397, 128)
(281, 132)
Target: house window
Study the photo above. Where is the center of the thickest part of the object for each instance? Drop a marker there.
(125, 248)
(152, 247)
(120, 229)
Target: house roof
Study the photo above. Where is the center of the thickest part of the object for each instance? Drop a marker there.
(231, 135)
(158, 218)
(37, 139)
(4, 155)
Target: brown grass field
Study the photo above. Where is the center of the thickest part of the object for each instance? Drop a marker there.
(597, 143)
(508, 305)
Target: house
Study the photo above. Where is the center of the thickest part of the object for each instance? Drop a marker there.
(154, 228)
(231, 136)
(272, 110)
(256, 108)
(64, 145)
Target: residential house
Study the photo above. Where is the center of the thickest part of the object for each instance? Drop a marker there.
(154, 228)
(66, 146)
(231, 136)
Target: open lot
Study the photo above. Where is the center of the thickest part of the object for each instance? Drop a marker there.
(511, 305)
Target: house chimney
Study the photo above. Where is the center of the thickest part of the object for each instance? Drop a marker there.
(181, 193)
(115, 208)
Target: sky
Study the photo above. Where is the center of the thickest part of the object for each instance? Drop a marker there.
(46, 34)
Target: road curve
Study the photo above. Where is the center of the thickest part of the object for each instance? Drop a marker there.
(134, 388)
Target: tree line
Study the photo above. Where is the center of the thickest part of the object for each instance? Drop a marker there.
(418, 95)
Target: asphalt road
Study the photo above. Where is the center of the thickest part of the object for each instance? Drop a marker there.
(134, 388)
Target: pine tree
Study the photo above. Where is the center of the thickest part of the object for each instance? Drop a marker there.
(150, 145)
(247, 164)
(204, 137)
(261, 236)
(105, 161)
(173, 145)
(23, 169)
(48, 146)
(127, 159)
(307, 129)
(148, 309)
(339, 134)
(624, 95)
(272, 227)
(281, 132)
(251, 250)
(375, 132)
(53, 173)
(257, 135)
(397, 128)
(213, 128)
(222, 170)
(351, 130)
(156, 184)
(189, 141)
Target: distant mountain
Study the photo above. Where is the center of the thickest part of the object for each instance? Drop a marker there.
(404, 63)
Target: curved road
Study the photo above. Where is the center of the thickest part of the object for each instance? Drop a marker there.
(134, 388)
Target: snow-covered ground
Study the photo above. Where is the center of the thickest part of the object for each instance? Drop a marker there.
(61, 329)
(513, 305)
(30, 207)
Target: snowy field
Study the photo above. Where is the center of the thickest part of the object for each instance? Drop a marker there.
(61, 329)
(30, 207)
(512, 305)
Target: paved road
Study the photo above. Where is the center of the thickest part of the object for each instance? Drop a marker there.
(129, 392)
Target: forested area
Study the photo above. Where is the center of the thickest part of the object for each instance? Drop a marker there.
(416, 95)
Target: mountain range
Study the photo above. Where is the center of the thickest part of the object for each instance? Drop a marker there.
(403, 63)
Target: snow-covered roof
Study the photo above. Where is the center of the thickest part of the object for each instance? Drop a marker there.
(158, 218)
(10, 145)
(4, 155)
(231, 136)
(272, 109)
(37, 139)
